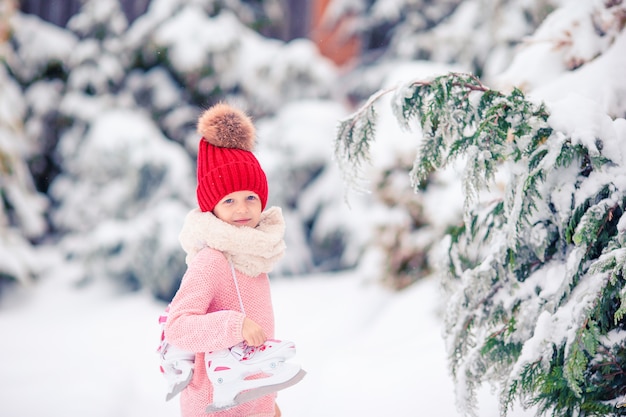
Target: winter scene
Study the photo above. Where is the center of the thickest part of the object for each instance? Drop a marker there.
(451, 177)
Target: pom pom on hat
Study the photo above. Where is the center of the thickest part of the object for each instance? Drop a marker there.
(225, 160)
(227, 127)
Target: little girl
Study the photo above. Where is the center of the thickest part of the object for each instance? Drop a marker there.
(231, 244)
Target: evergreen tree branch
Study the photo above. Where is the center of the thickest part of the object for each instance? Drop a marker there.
(536, 278)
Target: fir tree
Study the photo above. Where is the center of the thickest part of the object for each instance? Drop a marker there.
(161, 69)
(535, 278)
(22, 208)
(478, 34)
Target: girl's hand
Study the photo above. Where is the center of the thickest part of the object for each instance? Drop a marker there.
(252, 333)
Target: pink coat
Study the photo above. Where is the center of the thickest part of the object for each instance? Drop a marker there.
(205, 315)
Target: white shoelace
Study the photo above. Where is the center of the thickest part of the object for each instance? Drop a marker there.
(232, 269)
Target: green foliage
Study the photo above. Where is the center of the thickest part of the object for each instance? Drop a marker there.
(356, 133)
(535, 278)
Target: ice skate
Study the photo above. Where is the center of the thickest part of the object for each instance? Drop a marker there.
(228, 369)
(177, 368)
(176, 364)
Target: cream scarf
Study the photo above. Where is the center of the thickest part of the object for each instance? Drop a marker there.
(252, 251)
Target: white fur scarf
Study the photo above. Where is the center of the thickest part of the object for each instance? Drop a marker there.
(252, 251)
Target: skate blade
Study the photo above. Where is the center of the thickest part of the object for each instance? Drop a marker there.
(255, 393)
(178, 388)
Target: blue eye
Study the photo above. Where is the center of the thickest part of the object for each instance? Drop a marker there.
(251, 197)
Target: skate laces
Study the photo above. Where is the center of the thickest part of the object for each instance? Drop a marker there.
(243, 352)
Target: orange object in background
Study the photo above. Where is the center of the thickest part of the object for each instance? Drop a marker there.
(7, 9)
(332, 37)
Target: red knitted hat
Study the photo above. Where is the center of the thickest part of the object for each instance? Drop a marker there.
(225, 160)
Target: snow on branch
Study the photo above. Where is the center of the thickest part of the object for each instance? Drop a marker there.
(535, 273)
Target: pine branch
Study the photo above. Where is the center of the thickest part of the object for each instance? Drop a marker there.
(560, 211)
(352, 144)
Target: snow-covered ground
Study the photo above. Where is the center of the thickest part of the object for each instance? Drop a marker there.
(69, 352)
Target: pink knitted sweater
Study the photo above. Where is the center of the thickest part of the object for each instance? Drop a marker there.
(205, 314)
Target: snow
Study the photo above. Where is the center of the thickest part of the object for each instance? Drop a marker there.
(42, 44)
(189, 33)
(90, 351)
(73, 350)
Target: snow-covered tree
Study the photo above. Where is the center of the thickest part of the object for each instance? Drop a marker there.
(295, 149)
(22, 208)
(132, 94)
(403, 225)
(325, 233)
(535, 268)
(480, 35)
(212, 51)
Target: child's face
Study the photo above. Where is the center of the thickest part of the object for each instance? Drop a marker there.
(241, 208)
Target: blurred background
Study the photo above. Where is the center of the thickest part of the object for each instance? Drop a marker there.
(98, 105)
(100, 99)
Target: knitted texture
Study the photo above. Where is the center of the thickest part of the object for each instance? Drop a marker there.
(205, 316)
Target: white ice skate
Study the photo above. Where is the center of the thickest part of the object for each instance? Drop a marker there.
(177, 368)
(228, 369)
(176, 364)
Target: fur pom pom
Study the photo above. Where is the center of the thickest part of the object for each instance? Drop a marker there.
(227, 127)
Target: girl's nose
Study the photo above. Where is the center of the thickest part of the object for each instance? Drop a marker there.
(240, 208)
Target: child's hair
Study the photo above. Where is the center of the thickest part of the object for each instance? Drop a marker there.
(225, 160)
